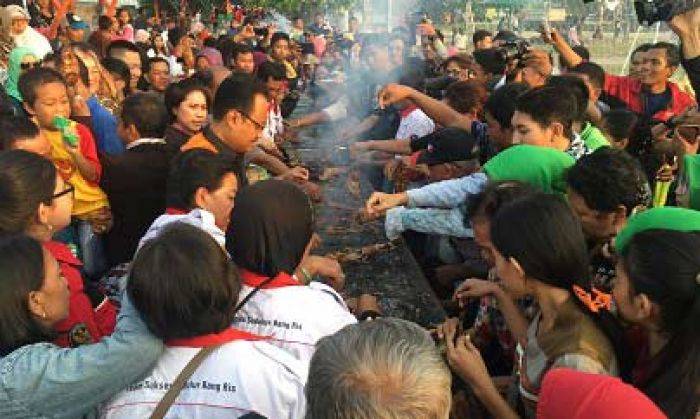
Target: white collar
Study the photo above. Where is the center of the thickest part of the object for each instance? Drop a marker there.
(141, 141)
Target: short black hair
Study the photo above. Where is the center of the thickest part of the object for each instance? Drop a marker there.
(176, 93)
(154, 60)
(121, 45)
(577, 88)
(642, 48)
(240, 48)
(546, 105)
(271, 70)
(480, 35)
(26, 181)
(237, 91)
(594, 72)
(104, 22)
(462, 61)
(147, 112)
(501, 103)
(466, 96)
(491, 60)
(279, 36)
(608, 178)
(183, 284)
(118, 67)
(673, 53)
(34, 78)
(192, 170)
(620, 123)
(16, 128)
(21, 272)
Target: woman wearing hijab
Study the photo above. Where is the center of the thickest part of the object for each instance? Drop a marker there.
(23, 34)
(6, 43)
(270, 239)
(657, 288)
(20, 60)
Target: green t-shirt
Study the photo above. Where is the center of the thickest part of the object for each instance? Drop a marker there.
(593, 138)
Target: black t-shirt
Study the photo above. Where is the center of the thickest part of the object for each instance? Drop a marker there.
(655, 102)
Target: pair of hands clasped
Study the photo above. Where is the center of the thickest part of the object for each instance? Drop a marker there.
(463, 357)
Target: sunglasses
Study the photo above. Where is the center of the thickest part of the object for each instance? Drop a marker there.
(69, 190)
(27, 66)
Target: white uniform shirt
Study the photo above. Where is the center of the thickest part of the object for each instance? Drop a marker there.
(240, 377)
(295, 316)
(415, 122)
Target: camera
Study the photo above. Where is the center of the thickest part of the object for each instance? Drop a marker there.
(652, 11)
(513, 50)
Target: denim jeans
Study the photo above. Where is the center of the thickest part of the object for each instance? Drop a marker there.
(90, 247)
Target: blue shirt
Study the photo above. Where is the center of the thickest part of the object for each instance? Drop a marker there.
(104, 126)
(45, 381)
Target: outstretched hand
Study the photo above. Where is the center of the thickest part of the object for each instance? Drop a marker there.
(379, 202)
(474, 288)
(392, 93)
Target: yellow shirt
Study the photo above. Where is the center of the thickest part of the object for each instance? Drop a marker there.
(88, 196)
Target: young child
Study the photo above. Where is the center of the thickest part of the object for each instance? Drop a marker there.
(45, 97)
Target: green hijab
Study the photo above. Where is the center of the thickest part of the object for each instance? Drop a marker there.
(14, 68)
(662, 218)
(542, 167)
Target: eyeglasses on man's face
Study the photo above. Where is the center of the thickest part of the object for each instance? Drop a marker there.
(257, 124)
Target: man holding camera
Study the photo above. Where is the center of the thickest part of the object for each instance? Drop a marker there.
(652, 95)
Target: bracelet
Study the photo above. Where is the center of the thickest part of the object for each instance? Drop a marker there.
(307, 277)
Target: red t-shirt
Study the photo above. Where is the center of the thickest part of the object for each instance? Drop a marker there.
(84, 324)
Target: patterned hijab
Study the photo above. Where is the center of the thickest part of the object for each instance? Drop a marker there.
(6, 42)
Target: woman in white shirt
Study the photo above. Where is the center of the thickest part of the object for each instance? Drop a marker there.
(186, 289)
(269, 238)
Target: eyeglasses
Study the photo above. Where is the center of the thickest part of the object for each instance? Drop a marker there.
(27, 66)
(69, 190)
(257, 124)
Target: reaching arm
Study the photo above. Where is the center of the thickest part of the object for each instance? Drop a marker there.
(310, 119)
(389, 146)
(517, 323)
(687, 27)
(563, 48)
(38, 376)
(437, 111)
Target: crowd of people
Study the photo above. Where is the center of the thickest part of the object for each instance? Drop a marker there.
(157, 237)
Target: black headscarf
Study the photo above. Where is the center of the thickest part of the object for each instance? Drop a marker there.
(271, 224)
